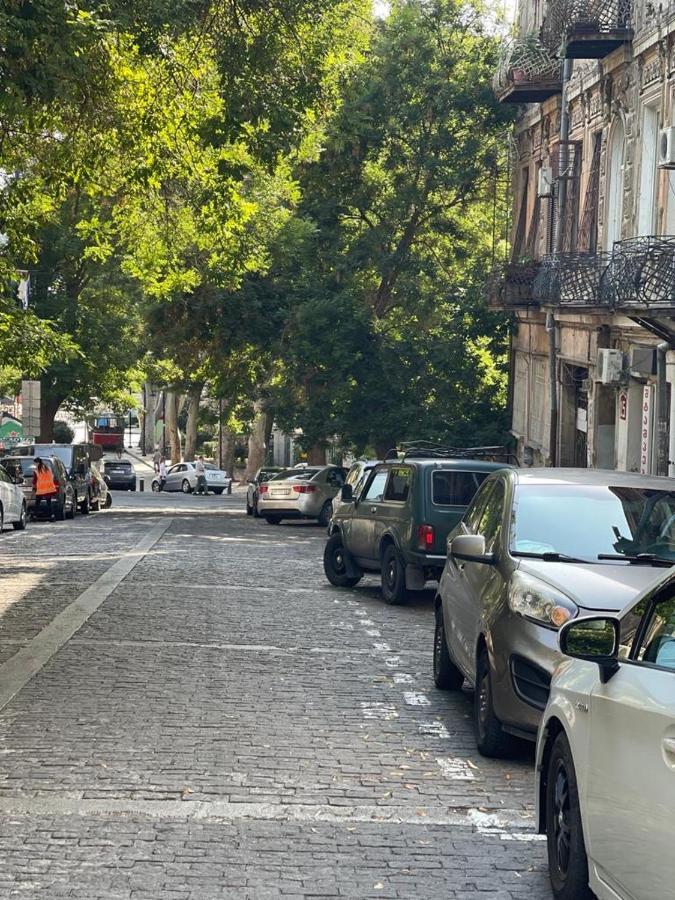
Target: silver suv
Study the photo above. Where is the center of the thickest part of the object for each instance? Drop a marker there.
(302, 493)
(536, 548)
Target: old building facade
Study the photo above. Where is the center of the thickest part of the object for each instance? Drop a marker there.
(591, 281)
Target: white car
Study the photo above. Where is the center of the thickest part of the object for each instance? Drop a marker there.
(606, 754)
(12, 503)
(183, 477)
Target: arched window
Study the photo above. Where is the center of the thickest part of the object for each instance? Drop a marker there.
(614, 191)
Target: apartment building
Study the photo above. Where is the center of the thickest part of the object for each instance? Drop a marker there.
(591, 278)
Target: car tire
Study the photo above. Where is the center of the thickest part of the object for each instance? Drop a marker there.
(256, 511)
(217, 490)
(155, 487)
(393, 577)
(21, 524)
(2, 520)
(447, 677)
(73, 509)
(334, 555)
(273, 520)
(84, 506)
(326, 514)
(567, 860)
(61, 511)
(185, 487)
(108, 501)
(249, 509)
(491, 739)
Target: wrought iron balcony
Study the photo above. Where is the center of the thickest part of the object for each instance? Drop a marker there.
(527, 72)
(511, 286)
(641, 273)
(571, 279)
(587, 29)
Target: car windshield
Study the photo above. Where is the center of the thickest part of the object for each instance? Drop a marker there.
(586, 521)
(299, 474)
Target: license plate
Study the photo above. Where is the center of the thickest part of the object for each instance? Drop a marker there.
(119, 472)
(279, 493)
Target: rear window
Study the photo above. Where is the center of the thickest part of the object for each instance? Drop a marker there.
(300, 474)
(455, 488)
(118, 465)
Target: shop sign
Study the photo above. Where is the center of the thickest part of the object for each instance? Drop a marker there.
(646, 430)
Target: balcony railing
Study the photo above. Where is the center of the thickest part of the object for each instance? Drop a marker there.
(587, 29)
(571, 279)
(511, 285)
(641, 272)
(527, 72)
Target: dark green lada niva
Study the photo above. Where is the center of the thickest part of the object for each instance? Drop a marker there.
(399, 523)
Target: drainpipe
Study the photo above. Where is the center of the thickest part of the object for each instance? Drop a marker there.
(558, 246)
(662, 436)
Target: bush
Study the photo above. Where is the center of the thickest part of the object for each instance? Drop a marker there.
(63, 433)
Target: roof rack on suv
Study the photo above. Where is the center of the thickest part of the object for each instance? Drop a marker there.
(433, 450)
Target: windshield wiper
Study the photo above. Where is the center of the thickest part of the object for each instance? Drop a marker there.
(549, 556)
(647, 558)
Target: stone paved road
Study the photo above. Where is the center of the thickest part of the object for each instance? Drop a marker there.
(188, 710)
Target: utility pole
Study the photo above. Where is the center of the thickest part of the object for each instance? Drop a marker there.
(220, 432)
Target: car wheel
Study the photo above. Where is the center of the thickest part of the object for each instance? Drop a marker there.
(491, 739)
(334, 563)
(567, 861)
(21, 524)
(273, 520)
(2, 520)
(108, 500)
(326, 514)
(185, 487)
(84, 506)
(393, 576)
(61, 511)
(155, 487)
(447, 676)
(249, 509)
(217, 490)
(73, 508)
(256, 511)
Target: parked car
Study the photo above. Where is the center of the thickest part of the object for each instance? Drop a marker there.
(121, 474)
(606, 754)
(22, 469)
(103, 488)
(12, 503)
(262, 476)
(77, 459)
(537, 548)
(399, 522)
(356, 478)
(183, 477)
(305, 492)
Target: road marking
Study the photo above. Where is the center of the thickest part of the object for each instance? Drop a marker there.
(379, 711)
(416, 698)
(381, 647)
(403, 678)
(498, 823)
(437, 729)
(24, 665)
(455, 769)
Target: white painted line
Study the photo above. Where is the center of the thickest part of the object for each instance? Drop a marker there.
(403, 678)
(379, 711)
(381, 647)
(416, 698)
(24, 665)
(392, 662)
(528, 837)
(373, 632)
(455, 769)
(437, 729)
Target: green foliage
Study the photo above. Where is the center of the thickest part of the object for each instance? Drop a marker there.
(63, 433)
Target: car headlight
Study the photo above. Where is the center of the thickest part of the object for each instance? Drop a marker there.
(536, 600)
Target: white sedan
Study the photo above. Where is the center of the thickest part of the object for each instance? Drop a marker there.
(12, 502)
(606, 754)
(183, 477)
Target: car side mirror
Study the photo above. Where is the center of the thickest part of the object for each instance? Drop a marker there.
(595, 639)
(346, 493)
(471, 548)
(251, 481)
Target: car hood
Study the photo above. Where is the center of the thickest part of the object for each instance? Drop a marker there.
(594, 586)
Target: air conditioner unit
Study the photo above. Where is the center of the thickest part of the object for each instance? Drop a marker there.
(545, 186)
(667, 148)
(610, 365)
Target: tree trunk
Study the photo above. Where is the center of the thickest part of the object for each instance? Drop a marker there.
(49, 406)
(228, 446)
(316, 455)
(257, 445)
(172, 399)
(151, 406)
(194, 396)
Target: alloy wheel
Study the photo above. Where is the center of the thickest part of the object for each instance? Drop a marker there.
(561, 816)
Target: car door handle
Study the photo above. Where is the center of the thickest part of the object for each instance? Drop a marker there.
(373, 509)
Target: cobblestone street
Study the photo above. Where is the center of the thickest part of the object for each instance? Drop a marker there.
(189, 710)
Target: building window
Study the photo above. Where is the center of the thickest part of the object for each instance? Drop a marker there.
(615, 185)
(646, 197)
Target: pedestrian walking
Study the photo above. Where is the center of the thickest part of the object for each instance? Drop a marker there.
(156, 457)
(44, 487)
(162, 473)
(200, 469)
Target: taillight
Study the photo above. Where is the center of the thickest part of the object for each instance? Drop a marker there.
(425, 537)
(304, 488)
(263, 489)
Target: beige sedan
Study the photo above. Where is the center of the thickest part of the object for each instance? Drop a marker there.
(301, 493)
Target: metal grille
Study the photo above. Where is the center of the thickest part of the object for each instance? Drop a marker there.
(570, 167)
(641, 270)
(519, 237)
(533, 230)
(525, 59)
(512, 284)
(588, 232)
(564, 17)
(571, 278)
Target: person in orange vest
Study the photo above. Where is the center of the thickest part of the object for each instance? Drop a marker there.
(43, 484)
